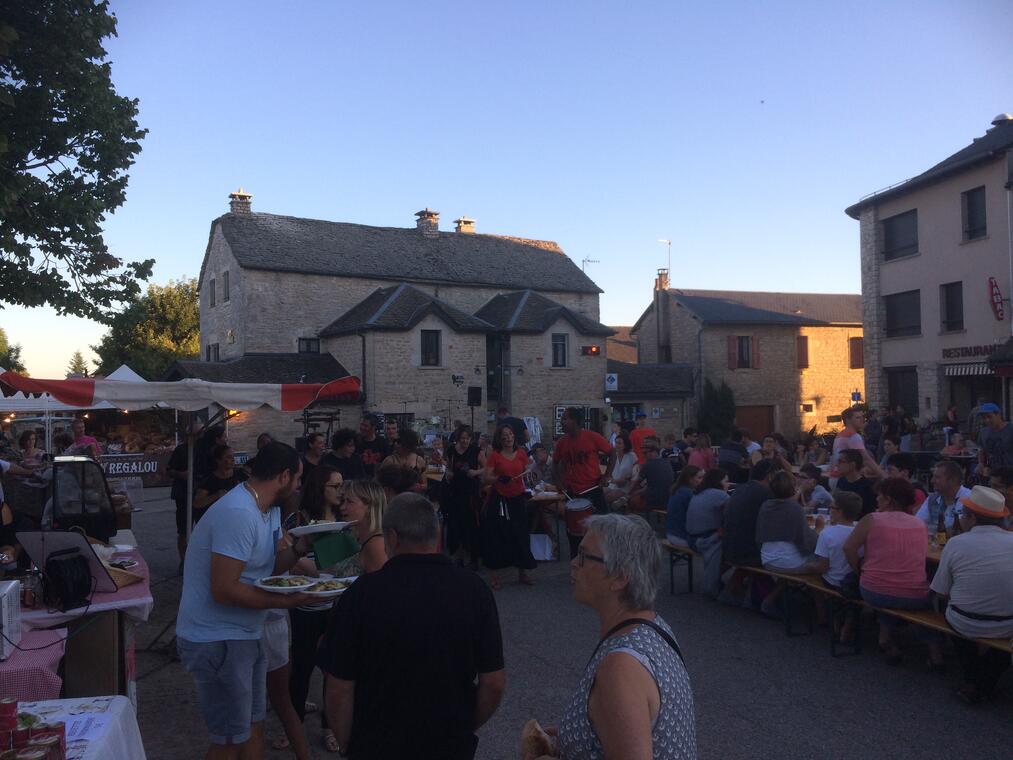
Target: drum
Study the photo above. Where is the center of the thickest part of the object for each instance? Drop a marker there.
(577, 511)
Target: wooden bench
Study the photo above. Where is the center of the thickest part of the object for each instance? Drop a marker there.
(679, 555)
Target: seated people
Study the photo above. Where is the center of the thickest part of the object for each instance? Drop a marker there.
(892, 570)
(703, 525)
(772, 449)
(732, 457)
(891, 445)
(957, 447)
(539, 466)
(786, 542)
(904, 465)
(343, 457)
(740, 516)
(405, 452)
(849, 467)
(939, 510)
(678, 503)
(976, 576)
(828, 558)
(624, 471)
(811, 494)
(653, 483)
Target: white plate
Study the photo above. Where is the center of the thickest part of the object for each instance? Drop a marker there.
(325, 527)
(284, 589)
(329, 594)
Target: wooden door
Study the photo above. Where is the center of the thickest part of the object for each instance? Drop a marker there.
(756, 420)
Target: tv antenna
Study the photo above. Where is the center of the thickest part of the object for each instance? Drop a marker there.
(584, 262)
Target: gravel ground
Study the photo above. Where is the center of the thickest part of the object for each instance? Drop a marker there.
(758, 693)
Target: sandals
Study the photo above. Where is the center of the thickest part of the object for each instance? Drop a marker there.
(330, 740)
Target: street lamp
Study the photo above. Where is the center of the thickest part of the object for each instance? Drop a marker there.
(669, 244)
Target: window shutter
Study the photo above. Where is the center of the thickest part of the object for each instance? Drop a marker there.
(856, 359)
(803, 351)
(733, 352)
(754, 351)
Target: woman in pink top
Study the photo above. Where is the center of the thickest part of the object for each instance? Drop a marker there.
(702, 455)
(893, 568)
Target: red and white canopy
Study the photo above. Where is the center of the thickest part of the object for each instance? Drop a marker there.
(186, 395)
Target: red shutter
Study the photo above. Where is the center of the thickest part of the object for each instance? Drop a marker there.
(733, 352)
(856, 358)
(803, 351)
(754, 351)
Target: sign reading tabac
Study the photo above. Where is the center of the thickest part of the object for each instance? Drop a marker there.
(965, 352)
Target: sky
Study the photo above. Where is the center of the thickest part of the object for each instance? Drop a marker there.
(738, 130)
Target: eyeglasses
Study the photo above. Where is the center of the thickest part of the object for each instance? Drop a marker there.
(583, 555)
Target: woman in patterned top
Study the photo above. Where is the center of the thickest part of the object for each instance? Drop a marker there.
(634, 700)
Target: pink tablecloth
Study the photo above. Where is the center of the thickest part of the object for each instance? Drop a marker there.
(32, 675)
(134, 601)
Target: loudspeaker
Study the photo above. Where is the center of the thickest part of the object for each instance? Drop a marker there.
(474, 395)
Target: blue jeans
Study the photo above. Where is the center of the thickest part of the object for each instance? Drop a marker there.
(900, 603)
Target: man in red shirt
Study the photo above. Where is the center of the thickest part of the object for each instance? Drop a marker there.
(575, 464)
(638, 434)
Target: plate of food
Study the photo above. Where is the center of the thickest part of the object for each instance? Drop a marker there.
(319, 526)
(285, 584)
(328, 587)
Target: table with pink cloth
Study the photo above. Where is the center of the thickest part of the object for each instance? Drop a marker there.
(100, 646)
(32, 670)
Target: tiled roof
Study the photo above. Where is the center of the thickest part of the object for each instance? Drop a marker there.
(400, 307)
(745, 307)
(647, 381)
(291, 244)
(261, 368)
(622, 346)
(993, 144)
(530, 312)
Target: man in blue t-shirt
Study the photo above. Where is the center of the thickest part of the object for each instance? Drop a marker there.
(221, 612)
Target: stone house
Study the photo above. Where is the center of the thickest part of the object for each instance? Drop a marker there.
(423, 317)
(936, 281)
(792, 360)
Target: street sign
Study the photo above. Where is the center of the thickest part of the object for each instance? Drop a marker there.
(611, 381)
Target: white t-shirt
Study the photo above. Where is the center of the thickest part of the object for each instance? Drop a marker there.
(976, 572)
(624, 468)
(842, 442)
(925, 515)
(820, 498)
(830, 546)
(781, 554)
(753, 446)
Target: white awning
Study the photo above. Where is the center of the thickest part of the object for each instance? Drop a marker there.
(962, 370)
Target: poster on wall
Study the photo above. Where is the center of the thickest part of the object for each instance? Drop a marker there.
(150, 468)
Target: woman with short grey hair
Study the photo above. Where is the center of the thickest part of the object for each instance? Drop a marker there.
(634, 700)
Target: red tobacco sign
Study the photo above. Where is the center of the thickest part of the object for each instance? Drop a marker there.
(995, 295)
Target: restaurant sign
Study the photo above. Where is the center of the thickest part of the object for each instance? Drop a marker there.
(151, 468)
(964, 352)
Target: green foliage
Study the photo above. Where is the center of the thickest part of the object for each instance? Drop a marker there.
(10, 355)
(154, 331)
(66, 141)
(717, 411)
(77, 366)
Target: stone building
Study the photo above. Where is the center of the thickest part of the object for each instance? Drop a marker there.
(936, 280)
(421, 315)
(792, 360)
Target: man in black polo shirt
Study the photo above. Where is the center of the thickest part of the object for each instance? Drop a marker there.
(849, 465)
(405, 646)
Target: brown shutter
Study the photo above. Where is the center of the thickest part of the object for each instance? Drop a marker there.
(856, 351)
(754, 352)
(803, 351)
(733, 352)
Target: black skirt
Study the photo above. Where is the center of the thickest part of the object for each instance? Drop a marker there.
(506, 540)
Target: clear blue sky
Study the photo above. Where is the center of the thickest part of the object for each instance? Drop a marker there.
(741, 131)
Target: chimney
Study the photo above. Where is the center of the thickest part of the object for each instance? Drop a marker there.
(428, 222)
(465, 225)
(661, 282)
(239, 202)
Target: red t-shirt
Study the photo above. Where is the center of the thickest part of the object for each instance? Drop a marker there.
(511, 467)
(637, 436)
(578, 457)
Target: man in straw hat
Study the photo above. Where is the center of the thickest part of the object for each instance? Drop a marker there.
(976, 577)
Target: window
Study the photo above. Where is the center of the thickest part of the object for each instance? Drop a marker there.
(856, 353)
(430, 348)
(972, 206)
(215, 356)
(902, 389)
(309, 345)
(207, 353)
(951, 306)
(903, 314)
(559, 349)
(743, 352)
(900, 235)
(807, 408)
(802, 343)
(225, 287)
(211, 292)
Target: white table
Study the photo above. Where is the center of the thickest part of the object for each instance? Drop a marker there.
(109, 725)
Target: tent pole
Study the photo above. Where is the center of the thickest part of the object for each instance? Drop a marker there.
(188, 421)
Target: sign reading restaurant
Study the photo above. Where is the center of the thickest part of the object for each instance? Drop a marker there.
(962, 352)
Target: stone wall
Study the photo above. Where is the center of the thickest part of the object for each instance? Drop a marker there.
(216, 321)
(873, 311)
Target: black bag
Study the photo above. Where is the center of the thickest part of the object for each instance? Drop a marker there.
(67, 580)
(849, 586)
